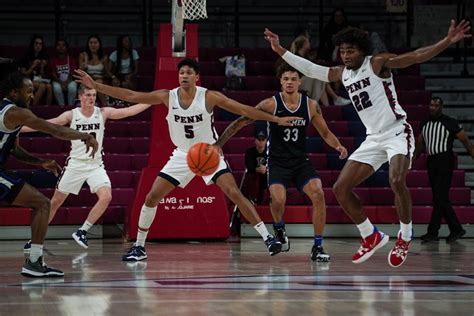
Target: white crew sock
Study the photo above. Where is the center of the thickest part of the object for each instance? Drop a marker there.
(406, 230)
(86, 226)
(147, 215)
(36, 252)
(141, 237)
(262, 230)
(366, 228)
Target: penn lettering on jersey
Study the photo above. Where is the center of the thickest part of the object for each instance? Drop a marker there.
(356, 86)
(88, 127)
(188, 119)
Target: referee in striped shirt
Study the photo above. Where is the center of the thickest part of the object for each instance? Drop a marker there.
(437, 137)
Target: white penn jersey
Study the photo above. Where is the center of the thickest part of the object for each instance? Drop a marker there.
(94, 125)
(374, 98)
(193, 124)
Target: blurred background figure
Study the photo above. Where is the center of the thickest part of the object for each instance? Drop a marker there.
(62, 69)
(35, 65)
(96, 63)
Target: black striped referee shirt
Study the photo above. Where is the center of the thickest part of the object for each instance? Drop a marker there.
(439, 133)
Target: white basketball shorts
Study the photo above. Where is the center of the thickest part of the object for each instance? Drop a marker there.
(76, 172)
(177, 171)
(380, 148)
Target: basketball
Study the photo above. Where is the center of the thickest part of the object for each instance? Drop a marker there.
(203, 159)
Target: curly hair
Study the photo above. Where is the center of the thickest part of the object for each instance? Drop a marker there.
(354, 36)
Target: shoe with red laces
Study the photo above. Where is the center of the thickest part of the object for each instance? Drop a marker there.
(369, 245)
(399, 252)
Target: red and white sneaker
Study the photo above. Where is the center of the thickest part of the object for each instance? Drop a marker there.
(369, 245)
(399, 252)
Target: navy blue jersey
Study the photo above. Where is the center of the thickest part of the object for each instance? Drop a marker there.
(289, 142)
(7, 136)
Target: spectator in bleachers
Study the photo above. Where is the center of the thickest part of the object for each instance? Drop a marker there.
(315, 89)
(256, 167)
(124, 62)
(96, 63)
(437, 136)
(62, 68)
(337, 22)
(35, 65)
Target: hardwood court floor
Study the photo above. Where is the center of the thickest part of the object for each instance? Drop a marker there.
(218, 278)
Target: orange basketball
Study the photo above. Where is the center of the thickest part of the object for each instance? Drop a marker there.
(203, 159)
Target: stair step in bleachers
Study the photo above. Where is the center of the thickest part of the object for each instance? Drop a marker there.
(378, 214)
(415, 178)
(131, 145)
(376, 196)
(261, 81)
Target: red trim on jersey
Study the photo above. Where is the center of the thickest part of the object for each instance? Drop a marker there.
(407, 132)
(391, 99)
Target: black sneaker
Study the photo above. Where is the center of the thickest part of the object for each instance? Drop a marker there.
(39, 269)
(318, 254)
(455, 236)
(273, 245)
(135, 253)
(81, 238)
(280, 235)
(429, 237)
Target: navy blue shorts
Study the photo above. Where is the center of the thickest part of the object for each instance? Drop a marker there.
(10, 186)
(299, 172)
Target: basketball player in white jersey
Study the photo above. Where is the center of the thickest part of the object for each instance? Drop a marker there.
(190, 121)
(80, 167)
(369, 82)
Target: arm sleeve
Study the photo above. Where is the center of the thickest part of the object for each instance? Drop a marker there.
(306, 67)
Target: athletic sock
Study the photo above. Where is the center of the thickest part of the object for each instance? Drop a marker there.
(279, 225)
(406, 230)
(262, 230)
(86, 226)
(366, 228)
(36, 252)
(318, 240)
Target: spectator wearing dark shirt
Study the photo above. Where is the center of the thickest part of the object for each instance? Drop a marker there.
(256, 166)
(437, 137)
(35, 66)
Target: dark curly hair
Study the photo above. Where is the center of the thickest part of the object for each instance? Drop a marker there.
(354, 36)
(191, 63)
(284, 67)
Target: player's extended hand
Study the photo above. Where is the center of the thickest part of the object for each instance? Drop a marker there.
(287, 120)
(83, 78)
(342, 152)
(458, 32)
(52, 166)
(272, 38)
(91, 142)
